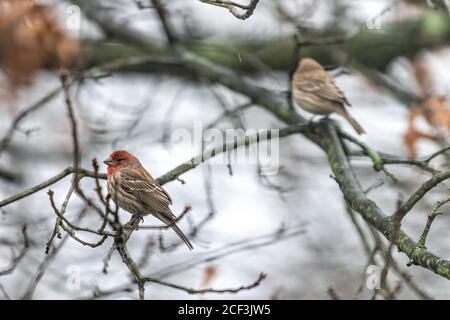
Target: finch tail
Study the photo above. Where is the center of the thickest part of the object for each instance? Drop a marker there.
(182, 236)
(170, 222)
(358, 128)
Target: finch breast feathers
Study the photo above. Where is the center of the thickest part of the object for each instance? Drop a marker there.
(149, 193)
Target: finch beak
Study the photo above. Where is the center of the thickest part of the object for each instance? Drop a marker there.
(108, 161)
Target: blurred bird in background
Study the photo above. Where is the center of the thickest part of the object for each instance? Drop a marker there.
(133, 189)
(315, 91)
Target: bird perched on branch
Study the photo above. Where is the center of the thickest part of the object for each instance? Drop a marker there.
(315, 91)
(133, 189)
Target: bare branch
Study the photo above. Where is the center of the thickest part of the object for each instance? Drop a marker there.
(256, 283)
(23, 114)
(73, 123)
(56, 232)
(16, 260)
(331, 291)
(233, 7)
(2, 289)
(71, 225)
(47, 261)
(169, 30)
(433, 214)
(421, 192)
(49, 182)
(229, 249)
(94, 73)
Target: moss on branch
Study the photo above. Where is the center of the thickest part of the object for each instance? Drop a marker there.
(368, 209)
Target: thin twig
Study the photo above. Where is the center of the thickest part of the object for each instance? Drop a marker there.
(3, 290)
(256, 283)
(169, 30)
(331, 291)
(47, 261)
(73, 123)
(16, 260)
(420, 193)
(229, 249)
(433, 214)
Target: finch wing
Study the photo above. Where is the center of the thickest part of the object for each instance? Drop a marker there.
(146, 190)
(323, 86)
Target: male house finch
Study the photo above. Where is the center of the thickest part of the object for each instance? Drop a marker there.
(133, 189)
(316, 91)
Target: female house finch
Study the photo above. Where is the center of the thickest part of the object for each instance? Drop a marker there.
(316, 91)
(133, 189)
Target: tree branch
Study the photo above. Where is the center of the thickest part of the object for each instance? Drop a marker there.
(16, 260)
(433, 214)
(231, 6)
(421, 192)
(256, 283)
(369, 210)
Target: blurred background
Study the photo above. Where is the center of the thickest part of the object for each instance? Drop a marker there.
(389, 57)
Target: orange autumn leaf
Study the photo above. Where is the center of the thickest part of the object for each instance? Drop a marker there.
(31, 39)
(422, 75)
(208, 274)
(411, 138)
(439, 115)
(435, 111)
